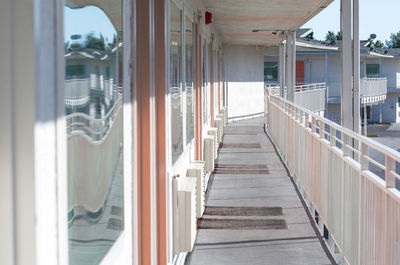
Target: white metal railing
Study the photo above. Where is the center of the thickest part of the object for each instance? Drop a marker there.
(373, 90)
(334, 167)
(309, 96)
(77, 91)
(95, 129)
(307, 87)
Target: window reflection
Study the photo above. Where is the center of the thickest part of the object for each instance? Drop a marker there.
(209, 62)
(176, 81)
(93, 102)
(189, 80)
(204, 88)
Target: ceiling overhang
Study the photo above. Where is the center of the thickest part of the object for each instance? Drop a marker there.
(236, 20)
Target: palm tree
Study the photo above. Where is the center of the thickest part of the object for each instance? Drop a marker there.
(330, 36)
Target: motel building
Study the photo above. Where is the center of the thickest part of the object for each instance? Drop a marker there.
(318, 70)
(193, 132)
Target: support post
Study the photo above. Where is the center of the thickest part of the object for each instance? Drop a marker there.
(350, 65)
(346, 65)
(365, 120)
(291, 64)
(356, 67)
(326, 85)
(282, 66)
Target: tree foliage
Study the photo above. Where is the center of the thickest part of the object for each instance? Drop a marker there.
(93, 42)
(394, 41)
(378, 44)
(330, 36)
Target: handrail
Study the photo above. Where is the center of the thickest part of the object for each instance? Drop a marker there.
(340, 175)
(359, 137)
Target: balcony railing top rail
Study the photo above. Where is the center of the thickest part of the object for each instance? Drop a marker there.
(307, 87)
(355, 193)
(309, 96)
(95, 129)
(373, 90)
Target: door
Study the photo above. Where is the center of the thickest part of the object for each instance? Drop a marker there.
(299, 72)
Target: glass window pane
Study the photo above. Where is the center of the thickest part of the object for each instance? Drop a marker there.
(204, 97)
(373, 70)
(189, 80)
(93, 104)
(209, 62)
(176, 81)
(270, 71)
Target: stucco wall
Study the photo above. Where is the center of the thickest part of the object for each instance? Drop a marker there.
(389, 69)
(389, 109)
(244, 74)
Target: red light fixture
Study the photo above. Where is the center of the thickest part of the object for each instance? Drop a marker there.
(208, 18)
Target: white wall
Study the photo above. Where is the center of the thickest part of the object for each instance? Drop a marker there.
(389, 69)
(17, 106)
(244, 74)
(389, 109)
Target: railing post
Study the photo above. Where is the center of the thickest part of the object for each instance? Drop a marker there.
(390, 166)
(321, 129)
(346, 143)
(313, 121)
(363, 157)
(307, 121)
(332, 138)
(301, 117)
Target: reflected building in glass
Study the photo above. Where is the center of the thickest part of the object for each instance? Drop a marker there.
(93, 106)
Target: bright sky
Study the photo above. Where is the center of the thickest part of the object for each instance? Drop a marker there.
(380, 17)
(86, 20)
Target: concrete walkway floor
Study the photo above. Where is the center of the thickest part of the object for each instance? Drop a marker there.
(254, 214)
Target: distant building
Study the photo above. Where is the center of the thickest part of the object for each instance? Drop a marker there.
(319, 62)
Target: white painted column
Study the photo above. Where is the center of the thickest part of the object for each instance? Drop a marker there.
(365, 120)
(380, 75)
(291, 64)
(350, 65)
(282, 66)
(356, 67)
(326, 84)
(346, 65)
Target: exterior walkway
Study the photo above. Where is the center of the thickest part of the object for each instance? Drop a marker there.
(254, 214)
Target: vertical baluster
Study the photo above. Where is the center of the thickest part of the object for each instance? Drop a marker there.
(321, 129)
(313, 123)
(346, 143)
(390, 166)
(332, 136)
(364, 155)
